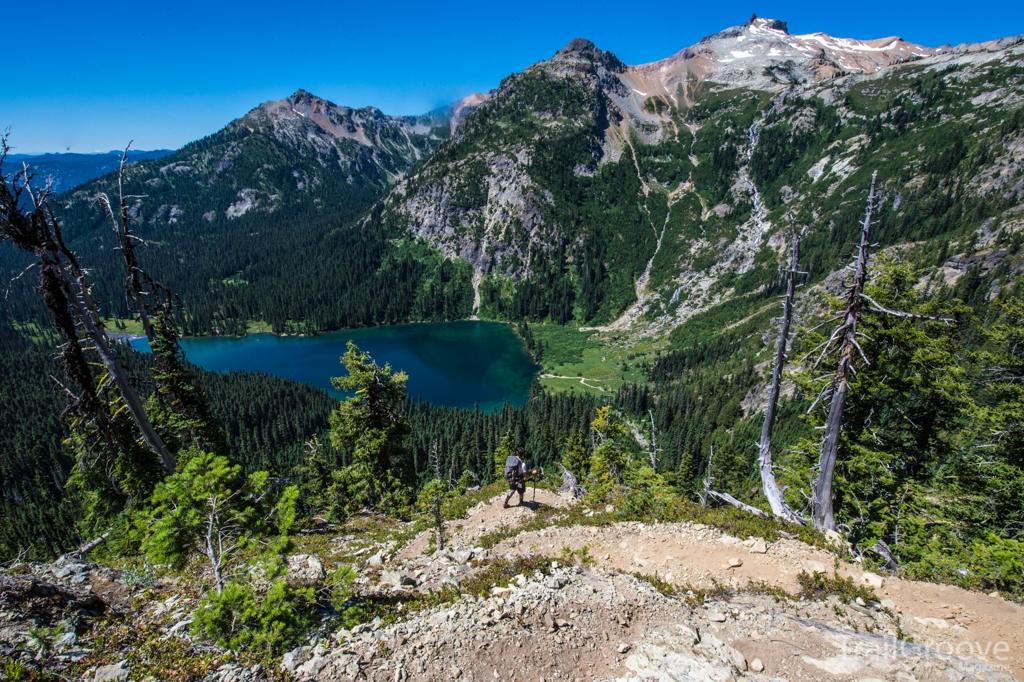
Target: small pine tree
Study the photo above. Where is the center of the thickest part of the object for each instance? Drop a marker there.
(506, 448)
(371, 425)
(432, 500)
(575, 454)
(179, 408)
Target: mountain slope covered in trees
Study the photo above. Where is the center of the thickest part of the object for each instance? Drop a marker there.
(647, 208)
(232, 222)
(591, 191)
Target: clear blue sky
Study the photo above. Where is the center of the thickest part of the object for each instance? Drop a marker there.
(88, 76)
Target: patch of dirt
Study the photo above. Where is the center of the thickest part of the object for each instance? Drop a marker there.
(938, 619)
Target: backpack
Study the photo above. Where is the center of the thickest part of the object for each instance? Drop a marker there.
(513, 471)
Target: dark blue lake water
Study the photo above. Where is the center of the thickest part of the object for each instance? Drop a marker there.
(456, 364)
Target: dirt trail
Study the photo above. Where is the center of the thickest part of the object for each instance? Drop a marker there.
(949, 619)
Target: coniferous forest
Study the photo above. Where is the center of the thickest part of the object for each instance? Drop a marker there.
(662, 252)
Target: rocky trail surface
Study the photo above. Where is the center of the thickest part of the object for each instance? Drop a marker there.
(548, 601)
(605, 620)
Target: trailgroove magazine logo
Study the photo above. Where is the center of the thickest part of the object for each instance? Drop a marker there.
(886, 648)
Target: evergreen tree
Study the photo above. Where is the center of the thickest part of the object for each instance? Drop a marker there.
(178, 406)
(575, 454)
(505, 449)
(372, 426)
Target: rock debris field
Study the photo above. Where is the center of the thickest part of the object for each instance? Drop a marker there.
(621, 601)
(600, 622)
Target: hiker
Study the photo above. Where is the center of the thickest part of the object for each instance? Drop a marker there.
(515, 474)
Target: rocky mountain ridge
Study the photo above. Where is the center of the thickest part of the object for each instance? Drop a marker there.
(522, 193)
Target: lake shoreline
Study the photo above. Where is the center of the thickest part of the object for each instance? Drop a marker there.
(459, 364)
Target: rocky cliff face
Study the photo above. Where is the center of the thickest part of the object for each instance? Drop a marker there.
(651, 193)
(362, 141)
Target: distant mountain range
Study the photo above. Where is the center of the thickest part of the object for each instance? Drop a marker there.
(581, 189)
(70, 170)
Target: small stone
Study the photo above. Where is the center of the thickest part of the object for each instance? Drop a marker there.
(872, 580)
(609, 509)
(735, 562)
(294, 658)
(994, 595)
(622, 648)
(860, 602)
(376, 560)
(549, 621)
(111, 672)
(888, 604)
(756, 665)
(815, 567)
(716, 616)
(737, 659)
(759, 546)
(305, 569)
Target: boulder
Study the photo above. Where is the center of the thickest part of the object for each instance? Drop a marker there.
(111, 672)
(814, 566)
(311, 667)
(736, 659)
(294, 658)
(305, 569)
(872, 580)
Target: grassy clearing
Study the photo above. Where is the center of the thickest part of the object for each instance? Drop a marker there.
(258, 327)
(585, 361)
(124, 325)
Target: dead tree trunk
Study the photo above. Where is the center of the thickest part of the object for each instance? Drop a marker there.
(821, 503)
(126, 243)
(729, 499)
(771, 489)
(708, 479)
(89, 317)
(654, 443)
(66, 295)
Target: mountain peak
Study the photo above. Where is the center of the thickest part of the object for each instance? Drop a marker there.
(769, 24)
(583, 49)
(580, 45)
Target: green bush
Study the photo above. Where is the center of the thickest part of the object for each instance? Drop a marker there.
(1000, 561)
(341, 597)
(819, 586)
(267, 622)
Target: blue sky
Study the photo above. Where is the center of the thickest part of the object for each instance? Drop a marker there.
(88, 76)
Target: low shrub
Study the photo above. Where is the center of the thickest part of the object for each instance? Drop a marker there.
(501, 572)
(265, 622)
(819, 586)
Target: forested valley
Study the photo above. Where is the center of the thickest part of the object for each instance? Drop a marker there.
(644, 270)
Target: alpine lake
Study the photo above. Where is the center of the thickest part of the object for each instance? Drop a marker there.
(453, 364)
